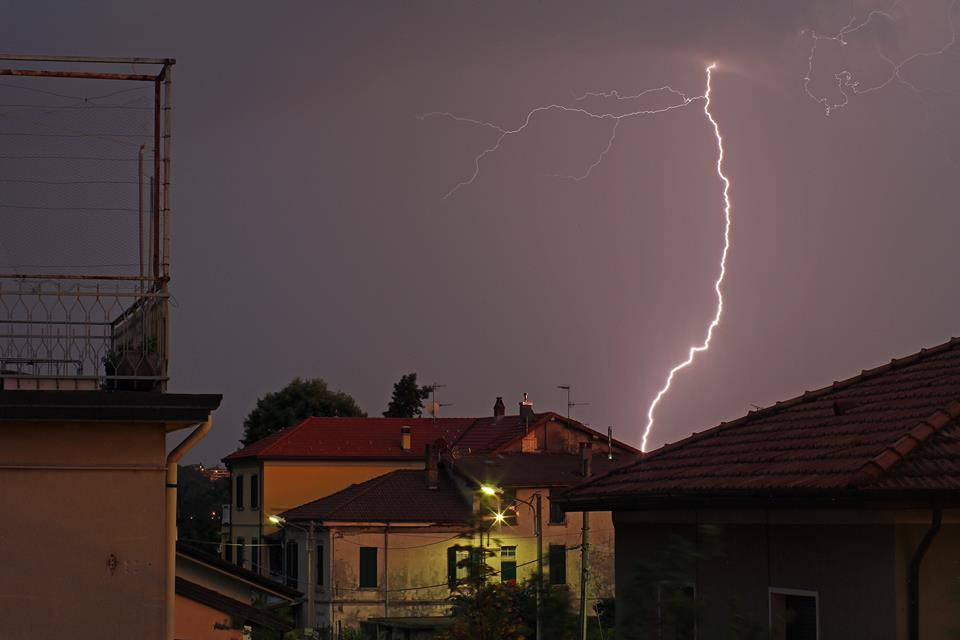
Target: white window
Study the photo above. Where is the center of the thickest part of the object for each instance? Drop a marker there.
(794, 614)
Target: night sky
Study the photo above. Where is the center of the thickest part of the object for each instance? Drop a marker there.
(311, 237)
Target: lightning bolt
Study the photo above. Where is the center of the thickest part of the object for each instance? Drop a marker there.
(692, 353)
(846, 82)
(680, 100)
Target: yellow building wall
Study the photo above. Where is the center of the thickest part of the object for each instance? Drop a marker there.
(82, 548)
(418, 559)
(285, 485)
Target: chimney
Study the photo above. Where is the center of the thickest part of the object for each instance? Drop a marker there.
(430, 451)
(499, 409)
(586, 459)
(526, 410)
(405, 438)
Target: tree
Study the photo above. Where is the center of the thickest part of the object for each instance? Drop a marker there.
(200, 501)
(297, 401)
(408, 397)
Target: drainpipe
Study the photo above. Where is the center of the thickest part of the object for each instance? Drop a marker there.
(913, 577)
(171, 514)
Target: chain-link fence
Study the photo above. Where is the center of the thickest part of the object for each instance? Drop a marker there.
(84, 221)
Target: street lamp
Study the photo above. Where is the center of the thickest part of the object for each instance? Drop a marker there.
(536, 505)
(311, 614)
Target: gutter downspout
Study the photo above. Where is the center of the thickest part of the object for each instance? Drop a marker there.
(171, 516)
(913, 576)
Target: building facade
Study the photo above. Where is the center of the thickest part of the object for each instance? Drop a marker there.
(84, 494)
(835, 514)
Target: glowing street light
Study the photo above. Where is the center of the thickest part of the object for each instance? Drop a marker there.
(276, 520)
(488, 490)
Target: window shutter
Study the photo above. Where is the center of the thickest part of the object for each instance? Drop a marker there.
(368, 567)
(452, 567)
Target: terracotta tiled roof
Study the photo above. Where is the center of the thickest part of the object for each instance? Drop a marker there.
(356, 438)
(533, 469)
(379, 438)
(398, 496)
(894, 427)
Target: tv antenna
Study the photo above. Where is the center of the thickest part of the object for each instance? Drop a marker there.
(570, 403)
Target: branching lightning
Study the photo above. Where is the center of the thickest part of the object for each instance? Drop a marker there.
(847, 84)
(680, 101)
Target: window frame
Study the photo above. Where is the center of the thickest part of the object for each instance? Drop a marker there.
(508, 555)
(376, 569)
(291, 568)
(803, 593)
(241, 549)
(318, 561)
(255, 492)
(238, 493)
(255, 555)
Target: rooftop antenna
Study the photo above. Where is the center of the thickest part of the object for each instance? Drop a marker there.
(610, 443)
(570, 403)
(434, 404)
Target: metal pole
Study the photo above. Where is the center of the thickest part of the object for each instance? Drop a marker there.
(167, 178)
(311, 615)
(584, 571)
(140, 207)
(539, 578)
(155, 192)
(386, 572)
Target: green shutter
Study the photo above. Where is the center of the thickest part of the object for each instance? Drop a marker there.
(368, 567)
(452, 567)
(508, 571)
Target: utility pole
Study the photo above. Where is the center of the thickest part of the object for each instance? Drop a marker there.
(584, 572)
(539, 581)
(311, 614)
(586, 469)
(570, 403)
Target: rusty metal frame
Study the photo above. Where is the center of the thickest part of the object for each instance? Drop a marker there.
(147, 294)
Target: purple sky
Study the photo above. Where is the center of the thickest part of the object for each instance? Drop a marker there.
(311, 237)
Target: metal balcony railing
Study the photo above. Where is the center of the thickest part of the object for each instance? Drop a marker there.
(84, 220)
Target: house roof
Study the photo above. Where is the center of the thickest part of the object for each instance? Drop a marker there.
(244, 613)
(353, 438)
(889, 430)
(379, 438)
(398, 496)
(221, 565)
(533, 469)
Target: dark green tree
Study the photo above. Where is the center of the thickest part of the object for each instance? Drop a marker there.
(199, 505)
(408, 397)
(297, 401)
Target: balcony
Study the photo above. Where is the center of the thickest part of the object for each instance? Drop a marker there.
(85, 213)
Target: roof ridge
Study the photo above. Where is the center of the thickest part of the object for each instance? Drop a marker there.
(894, 454)
(837, 385)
